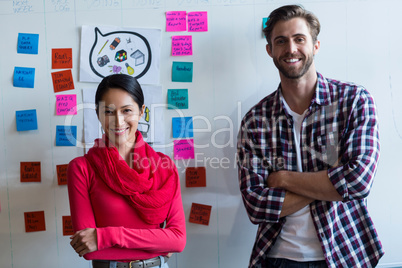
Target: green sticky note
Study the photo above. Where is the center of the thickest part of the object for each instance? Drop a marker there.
(177, 98)
(182, 72)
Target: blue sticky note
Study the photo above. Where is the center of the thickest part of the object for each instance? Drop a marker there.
(28, 43)
(182, 127)
(26, 120)
(66, 135)
(182, 72)
(177, 98)
(24, 77)
(264, 21)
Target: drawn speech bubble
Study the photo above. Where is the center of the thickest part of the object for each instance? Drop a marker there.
(120, 52)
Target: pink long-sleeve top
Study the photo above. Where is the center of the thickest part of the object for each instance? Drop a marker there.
(122, 234)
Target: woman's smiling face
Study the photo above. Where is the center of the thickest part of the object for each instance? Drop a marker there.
(119, 115)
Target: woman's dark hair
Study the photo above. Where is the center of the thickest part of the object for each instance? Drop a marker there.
(121, 81)
(287, 13)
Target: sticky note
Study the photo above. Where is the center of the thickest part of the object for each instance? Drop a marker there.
(196, 177)
(182, 72)
(34, 221)
(62, 174)
(200, 214)
(62, 81)
(198, 21)
(30, 172)
(28, 43)
(177, 98)
(62, 58)
(182, 45)
(264, 21)
(183, 149)
(182, 127)
(66, 104)
(26, 120)
(24, 77)
(66, 135)
(67, 226)
(176, 21)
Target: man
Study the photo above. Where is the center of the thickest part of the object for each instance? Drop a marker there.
(307, 155)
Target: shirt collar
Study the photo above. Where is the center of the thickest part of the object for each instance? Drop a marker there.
(322, 95)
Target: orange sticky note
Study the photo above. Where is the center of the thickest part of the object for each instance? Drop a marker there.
(62, 81)
(62, 174)
(62, 58)
(196, 177)
(67, 226)
(30, 172)
(200, 214)
(35, 221)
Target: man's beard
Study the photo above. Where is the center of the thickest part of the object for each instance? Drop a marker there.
(293, 73)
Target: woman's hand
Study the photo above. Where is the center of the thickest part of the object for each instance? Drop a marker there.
(85, 241)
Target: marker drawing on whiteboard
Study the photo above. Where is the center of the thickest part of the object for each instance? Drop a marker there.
(103, 46)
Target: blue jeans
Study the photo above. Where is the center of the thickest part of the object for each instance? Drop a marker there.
(284, 263)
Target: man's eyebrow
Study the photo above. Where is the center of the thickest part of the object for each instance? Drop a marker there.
(295, 35)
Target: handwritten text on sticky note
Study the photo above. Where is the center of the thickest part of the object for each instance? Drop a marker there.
(182, 127)
(182, 72)
(66, 104)
(200, 214)
(34, 221)
(198, 21)
(67, 226)
(182, 45)
(62, 81)
(62, 58)
(196, 177)
(28, 43)
(183, 149)
(176, 21)
(26, 120)
(30, 172)
(24, 77)
(66, 135)
(177, 98)
(62, 174)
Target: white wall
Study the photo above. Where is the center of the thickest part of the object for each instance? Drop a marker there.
(360, 42)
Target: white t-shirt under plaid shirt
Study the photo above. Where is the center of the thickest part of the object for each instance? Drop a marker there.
(339, 134)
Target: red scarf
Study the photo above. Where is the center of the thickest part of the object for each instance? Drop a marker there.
(149, 185)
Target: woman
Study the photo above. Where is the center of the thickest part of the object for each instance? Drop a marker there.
(125, 198)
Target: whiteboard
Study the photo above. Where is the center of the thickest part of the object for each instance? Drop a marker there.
(360, 42)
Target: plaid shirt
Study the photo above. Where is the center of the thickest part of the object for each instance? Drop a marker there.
(339, 134)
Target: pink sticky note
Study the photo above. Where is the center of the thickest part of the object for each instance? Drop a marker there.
(183, 149)
(176, 21)
(66, 104)
(182, 45)
(198, 21)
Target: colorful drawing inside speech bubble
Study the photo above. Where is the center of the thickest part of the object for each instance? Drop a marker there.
(133, 57)
(115, 69)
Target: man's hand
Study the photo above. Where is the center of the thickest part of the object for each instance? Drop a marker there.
(84, 241)
(277, 179)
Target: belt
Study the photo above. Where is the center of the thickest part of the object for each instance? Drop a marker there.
(133, 264)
